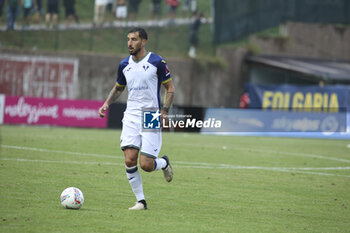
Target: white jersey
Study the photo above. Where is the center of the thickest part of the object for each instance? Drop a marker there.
(143, 80)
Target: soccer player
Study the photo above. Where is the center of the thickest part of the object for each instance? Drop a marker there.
(143, 73)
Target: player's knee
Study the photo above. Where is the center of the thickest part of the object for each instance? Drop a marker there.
(130, 162)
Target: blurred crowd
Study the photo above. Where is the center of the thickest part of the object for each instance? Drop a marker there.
(32, 11)
(105, 11)
(129, 9)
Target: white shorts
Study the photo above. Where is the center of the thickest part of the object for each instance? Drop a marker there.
(121, 12)
(150, 142)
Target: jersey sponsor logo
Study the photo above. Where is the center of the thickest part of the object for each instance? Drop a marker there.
(138, 88)
(151, 119)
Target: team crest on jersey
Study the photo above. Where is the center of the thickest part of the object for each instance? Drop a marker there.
(145, 67)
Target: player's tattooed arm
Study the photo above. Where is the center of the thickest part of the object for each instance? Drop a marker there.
(170, 93)
(113, 95)
(168, 101)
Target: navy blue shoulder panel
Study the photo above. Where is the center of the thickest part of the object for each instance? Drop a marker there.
(155, 59)
(121, 78)
(162, 68)
(124, 62)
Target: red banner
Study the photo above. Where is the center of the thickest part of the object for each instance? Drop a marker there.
(38, 76)
(41, 111)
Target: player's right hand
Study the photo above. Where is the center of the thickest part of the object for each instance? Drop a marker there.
(102, 110)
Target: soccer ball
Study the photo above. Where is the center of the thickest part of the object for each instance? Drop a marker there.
(72, 198)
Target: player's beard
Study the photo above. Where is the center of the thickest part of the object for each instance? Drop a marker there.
(135, 51)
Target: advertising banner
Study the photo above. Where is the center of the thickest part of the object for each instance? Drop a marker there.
(2, 106)
(277, 123)
(41, 111)
(176, 116)
(39, 76)
(301, 98)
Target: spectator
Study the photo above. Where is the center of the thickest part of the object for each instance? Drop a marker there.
(69, 6)
(194, 29)
(109, 8)
(13, 9)
(121, 10)
(172, 7)
(156, 9)
(51, 13)
(39, 10)
(188, 7)
(99, 12)
(134, 8)
(244, 100)
(27, 7)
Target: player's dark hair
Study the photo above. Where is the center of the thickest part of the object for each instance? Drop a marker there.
(142, 32)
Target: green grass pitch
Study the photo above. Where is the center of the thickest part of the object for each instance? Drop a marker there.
(221, 183)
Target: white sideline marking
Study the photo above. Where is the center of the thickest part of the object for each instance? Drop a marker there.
(297, 154)
(280, 152)
(61, 152)
(64, 162)
(180, 162)
(279, 169)
(184, 164)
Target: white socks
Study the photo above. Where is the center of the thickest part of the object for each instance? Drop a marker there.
(159, 163)
(134, 177)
